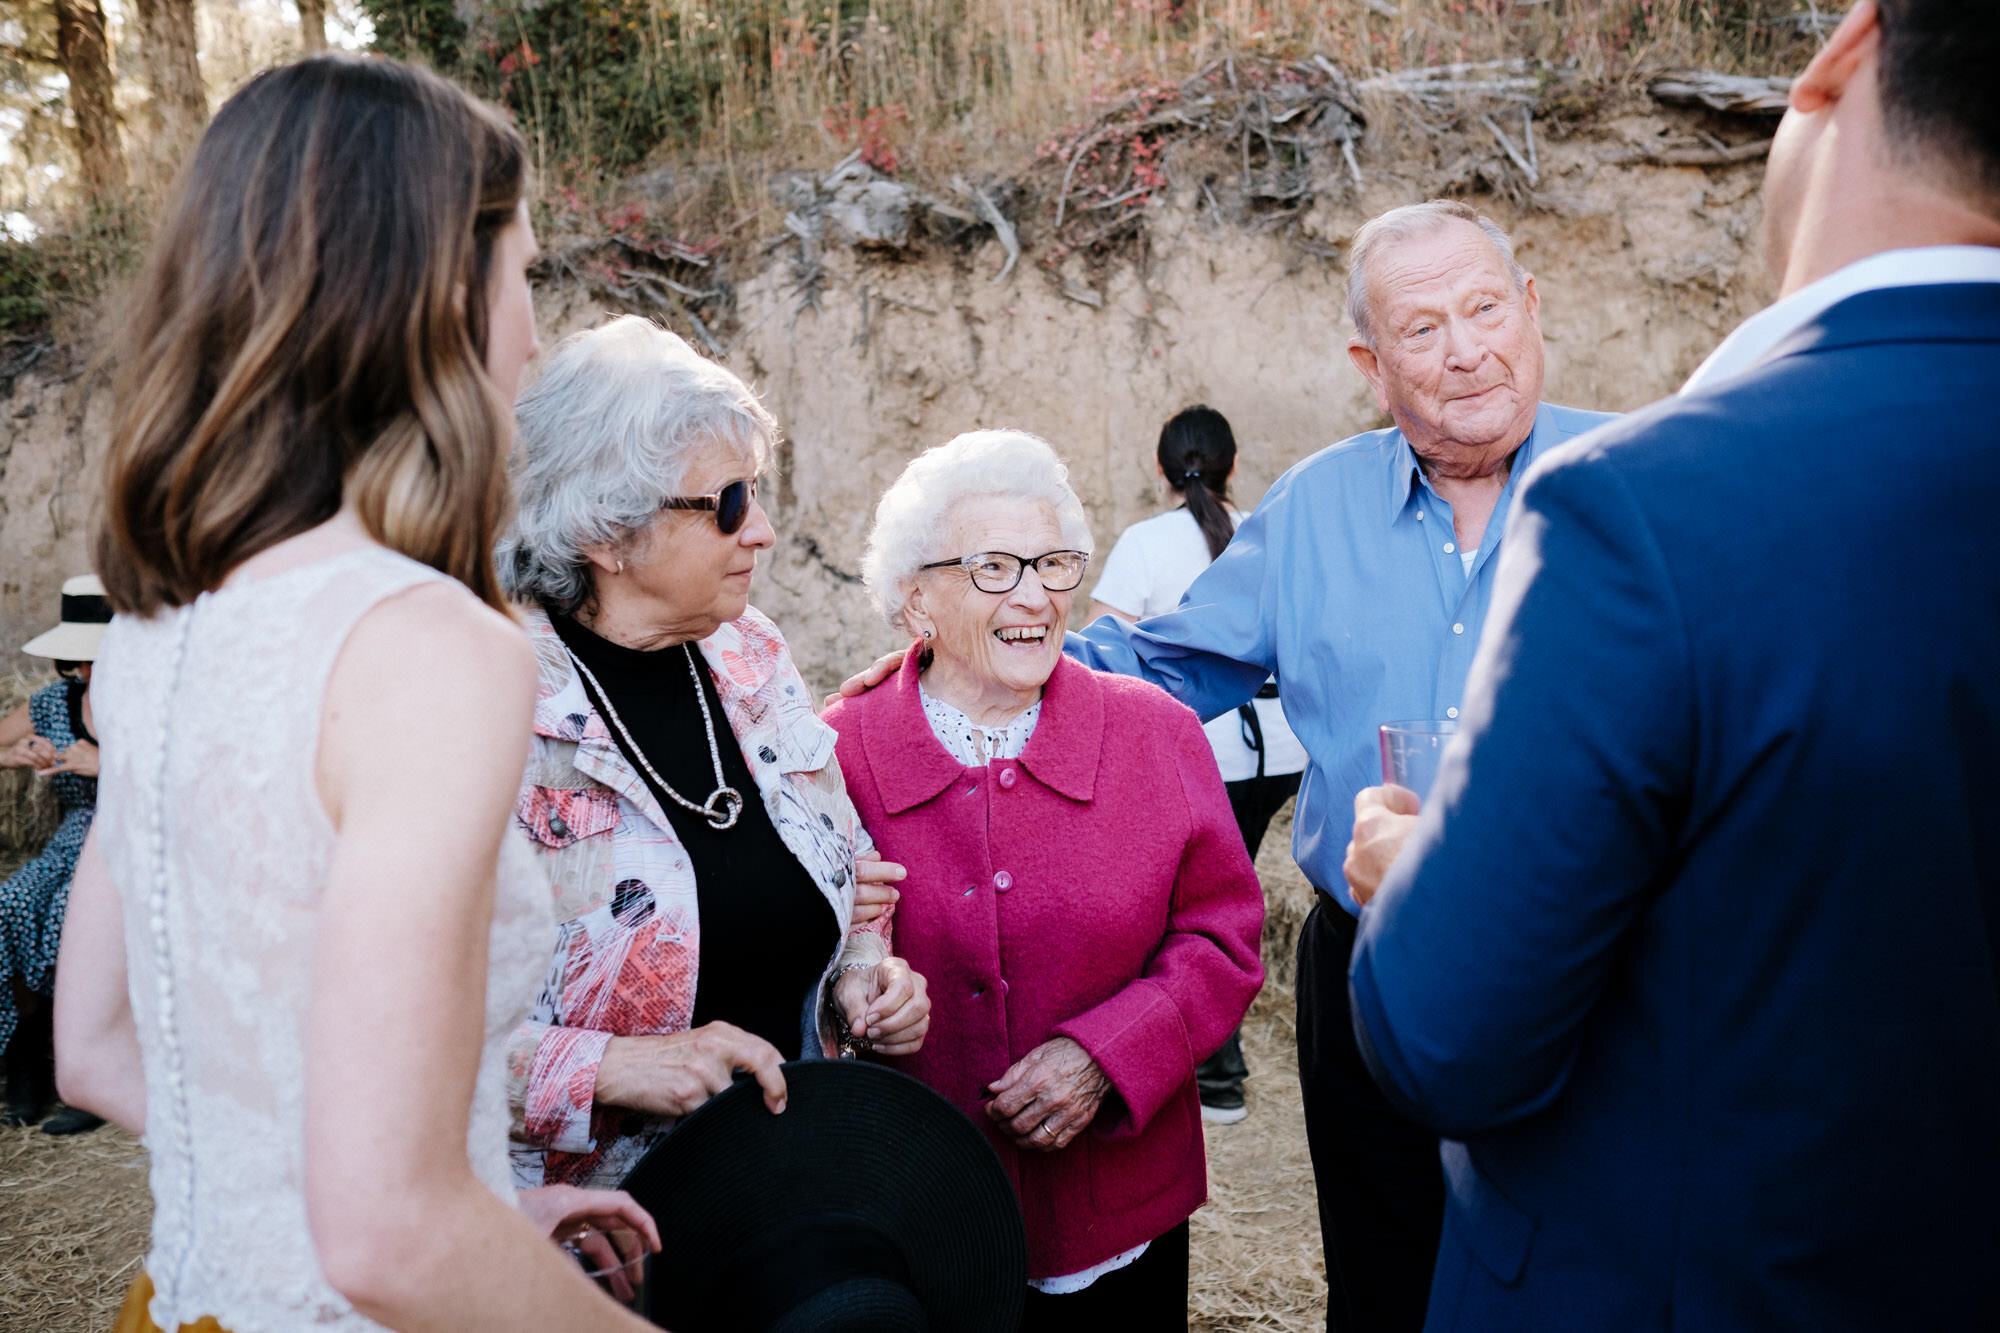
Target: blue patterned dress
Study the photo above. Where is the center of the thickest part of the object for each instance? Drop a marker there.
(33, 898)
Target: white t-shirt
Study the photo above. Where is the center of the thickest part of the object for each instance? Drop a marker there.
(1145, 575)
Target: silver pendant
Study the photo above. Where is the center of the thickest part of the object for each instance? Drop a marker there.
(732, 806)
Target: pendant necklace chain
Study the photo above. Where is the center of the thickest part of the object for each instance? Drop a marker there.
(725, 803)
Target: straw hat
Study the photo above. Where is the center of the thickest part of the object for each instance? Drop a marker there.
(85, 613)
(871, 1205)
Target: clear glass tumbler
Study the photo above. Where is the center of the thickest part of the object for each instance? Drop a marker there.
(1411, 750)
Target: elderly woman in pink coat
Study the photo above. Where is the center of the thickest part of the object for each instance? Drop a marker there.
(1078, 894)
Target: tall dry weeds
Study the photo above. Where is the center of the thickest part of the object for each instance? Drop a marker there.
(937, 86)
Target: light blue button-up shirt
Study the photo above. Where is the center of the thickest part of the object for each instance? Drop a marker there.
(1347, 585)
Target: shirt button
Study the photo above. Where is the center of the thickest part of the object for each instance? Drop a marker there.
(1007, 778)
(1458, 629)
(1003, 881)
(1449, 548)
(1420, 516)
(1451, 712)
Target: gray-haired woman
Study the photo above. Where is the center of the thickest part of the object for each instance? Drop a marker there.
(702, 849)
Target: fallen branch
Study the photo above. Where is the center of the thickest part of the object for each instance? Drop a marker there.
(1732, 94)
(1002, 228)
(1513, 153)
(1083, 146)
(1691, 157)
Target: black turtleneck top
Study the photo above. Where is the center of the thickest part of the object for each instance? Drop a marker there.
(766, 929)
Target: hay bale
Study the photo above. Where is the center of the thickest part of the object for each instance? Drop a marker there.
(1288, 896)
(28, 811)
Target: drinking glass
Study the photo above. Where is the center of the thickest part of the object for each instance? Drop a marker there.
(1411, 750)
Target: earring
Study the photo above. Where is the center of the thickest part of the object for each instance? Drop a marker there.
(621, 566)
(927, 634)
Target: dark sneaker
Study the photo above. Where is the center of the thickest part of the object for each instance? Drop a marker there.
(71, 1120)
(1224, 1106)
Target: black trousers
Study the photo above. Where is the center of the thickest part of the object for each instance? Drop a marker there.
(1148, 1295)
(1381, 1188)
(1255, 802)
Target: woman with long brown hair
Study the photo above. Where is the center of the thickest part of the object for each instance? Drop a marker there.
(311, 704)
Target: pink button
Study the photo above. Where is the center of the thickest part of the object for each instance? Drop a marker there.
(1003, 881)
(1007, 777)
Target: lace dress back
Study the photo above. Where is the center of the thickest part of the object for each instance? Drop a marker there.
(210, 823)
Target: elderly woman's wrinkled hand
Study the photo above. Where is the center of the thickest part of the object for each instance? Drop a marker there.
(874, 886)
(887, 1005)
(865, 680)
(1050, 1095)
(1383, 819)
(673, 1073)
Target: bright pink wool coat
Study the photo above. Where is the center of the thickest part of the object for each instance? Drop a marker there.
(1095, 888)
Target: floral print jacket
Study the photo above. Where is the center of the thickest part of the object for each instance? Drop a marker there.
(628, 947)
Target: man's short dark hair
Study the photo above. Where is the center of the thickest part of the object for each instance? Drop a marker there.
(1941, 89)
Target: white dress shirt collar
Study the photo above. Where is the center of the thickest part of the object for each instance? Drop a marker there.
(1758, 336)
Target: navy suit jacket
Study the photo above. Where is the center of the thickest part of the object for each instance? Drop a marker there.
(1692, 958)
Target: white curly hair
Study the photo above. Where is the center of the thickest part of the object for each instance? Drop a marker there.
(913, 520)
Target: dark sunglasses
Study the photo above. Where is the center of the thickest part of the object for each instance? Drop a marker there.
(731, 504)
(999, 571)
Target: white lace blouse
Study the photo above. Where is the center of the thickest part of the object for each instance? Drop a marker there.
(212, 830)
(971, 744)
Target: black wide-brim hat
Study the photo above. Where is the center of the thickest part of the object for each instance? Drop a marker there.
(870, 1203)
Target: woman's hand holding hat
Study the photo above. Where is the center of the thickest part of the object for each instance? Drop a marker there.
(885, 1004)
(1050, 1095)
(673, 1073)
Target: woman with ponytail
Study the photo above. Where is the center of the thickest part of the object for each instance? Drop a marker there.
(1146, 574)
(299, 935)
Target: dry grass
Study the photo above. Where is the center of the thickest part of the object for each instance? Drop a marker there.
(933, 88)
(73, 1219)
(74, 1212)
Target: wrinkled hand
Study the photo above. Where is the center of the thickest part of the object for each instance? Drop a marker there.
(887, 1005)
(1050, 1095)
(80, 759)
(1383, 819)
(673, 1073)
(865, 680)
(31, 751)
(608, 1226)
(874, 886)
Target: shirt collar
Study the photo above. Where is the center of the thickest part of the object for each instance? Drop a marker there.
(1406, 474)
(911, 766)
(1758, 337)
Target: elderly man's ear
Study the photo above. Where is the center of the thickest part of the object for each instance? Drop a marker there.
(1854, 45)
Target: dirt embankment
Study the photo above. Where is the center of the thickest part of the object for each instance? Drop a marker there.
(868, 357)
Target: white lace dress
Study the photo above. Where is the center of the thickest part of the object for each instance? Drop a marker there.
(211, 826)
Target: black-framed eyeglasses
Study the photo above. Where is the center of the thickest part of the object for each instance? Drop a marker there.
(731, 504)
(999, 571)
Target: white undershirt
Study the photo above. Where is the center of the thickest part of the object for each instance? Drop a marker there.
(975, 746)
(1466, 558)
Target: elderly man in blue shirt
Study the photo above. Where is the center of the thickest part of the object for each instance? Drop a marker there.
(1361, 583)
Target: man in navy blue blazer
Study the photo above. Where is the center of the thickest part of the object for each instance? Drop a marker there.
(1694, 954)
